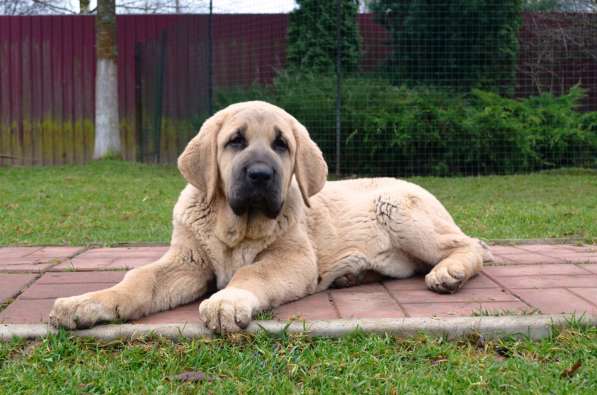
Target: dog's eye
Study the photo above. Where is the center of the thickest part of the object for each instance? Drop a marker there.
(237, 142)
(280, 145)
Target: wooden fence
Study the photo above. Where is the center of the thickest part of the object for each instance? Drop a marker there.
(47, 78)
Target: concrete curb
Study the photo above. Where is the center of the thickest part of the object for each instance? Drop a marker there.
(534, 327)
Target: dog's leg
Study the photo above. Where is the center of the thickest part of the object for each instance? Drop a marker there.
(286, 271)
(179, 277)
(421, 227)
(452, 272)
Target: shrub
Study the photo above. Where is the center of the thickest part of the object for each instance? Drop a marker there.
(460, 44)
(312, 36)
(400, 131)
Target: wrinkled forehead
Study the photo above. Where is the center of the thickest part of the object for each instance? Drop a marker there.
(253, 124)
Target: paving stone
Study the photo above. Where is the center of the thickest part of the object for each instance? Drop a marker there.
(365, 301)
(533, 270)
(7, 253)
(25, 267)
(555, 301)
(118, 252)
(80, 277)
(529, 258)
(52, 291)
(312, 307)
(27, 311)
(589, 294)
(590, 267)
(33, 259)
(554, 281)
(47, 253)
(581, 249)
(188, 313)
(505, 250)
(12, 284)
(418, 283)
(462, 309)
(462, 295)
(579, 257)
(552, 249)
(121, 258)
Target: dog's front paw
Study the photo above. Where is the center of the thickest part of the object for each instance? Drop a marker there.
(79, 312)
(445, 279)
(228, 310)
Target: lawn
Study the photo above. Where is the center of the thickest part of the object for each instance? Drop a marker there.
(111, 202)
(357, 363)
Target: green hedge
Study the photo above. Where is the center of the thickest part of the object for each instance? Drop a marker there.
(461, 44)
(398, 131)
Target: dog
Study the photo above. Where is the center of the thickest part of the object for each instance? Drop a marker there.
(258, 218)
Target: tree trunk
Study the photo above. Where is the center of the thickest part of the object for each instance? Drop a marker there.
(107, 133)
(83, 7)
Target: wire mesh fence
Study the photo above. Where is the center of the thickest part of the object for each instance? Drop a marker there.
(402, 88)
(385, 87)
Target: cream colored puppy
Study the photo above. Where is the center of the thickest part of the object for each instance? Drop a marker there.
(258, 217)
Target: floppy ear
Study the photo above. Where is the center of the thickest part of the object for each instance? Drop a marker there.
(310, 168)
(198, 162)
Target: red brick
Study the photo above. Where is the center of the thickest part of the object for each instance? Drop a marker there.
(581, 249)
(555, 281)
(529, 258)
(505, 250)
(27, 311)
(8, 253)
(551, 249)
(365, 301)
(84, 263)
(590, 267)
(462, 309)
(81, 277)
(418, 283)
(188, 313)
(123, 252)
(48, 253)
(462, 295)
(12, 284)
(312, 307)
(52, 291)
(555, 301)
(25, 267)
(533, 270)
(589, 294)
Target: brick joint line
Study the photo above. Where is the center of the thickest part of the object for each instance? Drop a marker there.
(395, 300)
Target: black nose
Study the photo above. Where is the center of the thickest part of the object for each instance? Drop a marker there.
(260, 173)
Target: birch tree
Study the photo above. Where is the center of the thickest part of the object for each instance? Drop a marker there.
(107, 133)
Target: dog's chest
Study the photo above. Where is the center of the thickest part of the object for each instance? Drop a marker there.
(229, 260)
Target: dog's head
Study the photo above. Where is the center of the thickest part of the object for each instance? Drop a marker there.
(249, 152)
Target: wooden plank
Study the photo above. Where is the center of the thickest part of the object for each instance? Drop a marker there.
(46, 91)
(16, 89)
(77, 89)
(25, 64)
(36, 92)
(67, 86)
(57, 55)
(5, 114)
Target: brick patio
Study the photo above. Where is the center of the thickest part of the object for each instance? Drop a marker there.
(547, 279)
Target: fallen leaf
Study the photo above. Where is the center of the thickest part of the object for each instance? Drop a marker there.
(571, 370)
(437, 361)
(193, 377)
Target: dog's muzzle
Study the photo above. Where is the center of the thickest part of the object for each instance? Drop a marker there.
(257, 187)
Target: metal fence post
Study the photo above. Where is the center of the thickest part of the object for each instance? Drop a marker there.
(338, 83)
(210, 108)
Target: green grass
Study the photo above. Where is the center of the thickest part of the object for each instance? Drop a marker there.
(357, 363)
(110, 202)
